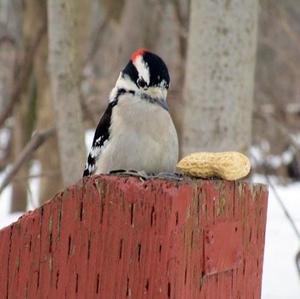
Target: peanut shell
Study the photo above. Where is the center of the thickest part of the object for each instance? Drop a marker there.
(226, 165)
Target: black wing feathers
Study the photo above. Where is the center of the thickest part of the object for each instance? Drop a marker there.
(101, 135)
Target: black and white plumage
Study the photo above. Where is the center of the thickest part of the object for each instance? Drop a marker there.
(136, 131)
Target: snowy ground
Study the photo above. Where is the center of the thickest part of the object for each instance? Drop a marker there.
(280, 278)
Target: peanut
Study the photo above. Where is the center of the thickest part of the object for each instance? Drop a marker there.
(226, 165)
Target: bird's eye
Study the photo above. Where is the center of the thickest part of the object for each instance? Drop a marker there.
(141, 83)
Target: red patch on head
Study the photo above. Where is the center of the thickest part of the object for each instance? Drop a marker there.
(138, 53)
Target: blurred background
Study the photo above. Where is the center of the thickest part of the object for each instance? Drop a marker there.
(235, 85)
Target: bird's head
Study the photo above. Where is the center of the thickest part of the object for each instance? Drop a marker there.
(147, 74)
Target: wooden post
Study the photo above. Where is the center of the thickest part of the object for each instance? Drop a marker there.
(116, 237)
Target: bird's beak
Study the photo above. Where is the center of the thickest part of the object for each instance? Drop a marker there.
(160, 96)
(157, 92)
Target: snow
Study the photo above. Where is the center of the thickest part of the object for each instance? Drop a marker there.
(89, 139)
(33, 190)
(9, 218)
(263, 157)
(280, 278)
(292, 108)
(4, 137)
(5, 198)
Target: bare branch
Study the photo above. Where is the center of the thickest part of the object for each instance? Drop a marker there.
(281, 127)
(49, 174)
(36, 141)
(281, 202)
(283, 19)
(7, 39)
(297, 260)
(98, 40)
(24, 75)
(284, 208)
(87, 111)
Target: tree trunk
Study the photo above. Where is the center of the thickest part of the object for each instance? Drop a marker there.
(65, 67)
(113, 8)
(24, 113)
(137, 27)
(219, 75)
(10, 36)
(48, 155)
(171, 46)
(20, 138)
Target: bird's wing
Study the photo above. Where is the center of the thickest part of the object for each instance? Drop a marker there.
(100, 138)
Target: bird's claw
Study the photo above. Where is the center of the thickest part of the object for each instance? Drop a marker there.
(168, 175)
(142, 175)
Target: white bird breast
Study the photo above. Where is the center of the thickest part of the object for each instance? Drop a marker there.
(143, 137)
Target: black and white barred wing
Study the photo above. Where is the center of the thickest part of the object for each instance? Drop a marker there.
(100, 138)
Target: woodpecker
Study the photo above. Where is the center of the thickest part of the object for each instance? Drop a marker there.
(136, 131)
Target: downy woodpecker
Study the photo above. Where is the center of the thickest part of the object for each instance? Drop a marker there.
(136, 131)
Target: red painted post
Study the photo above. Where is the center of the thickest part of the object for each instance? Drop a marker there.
(115, 237)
